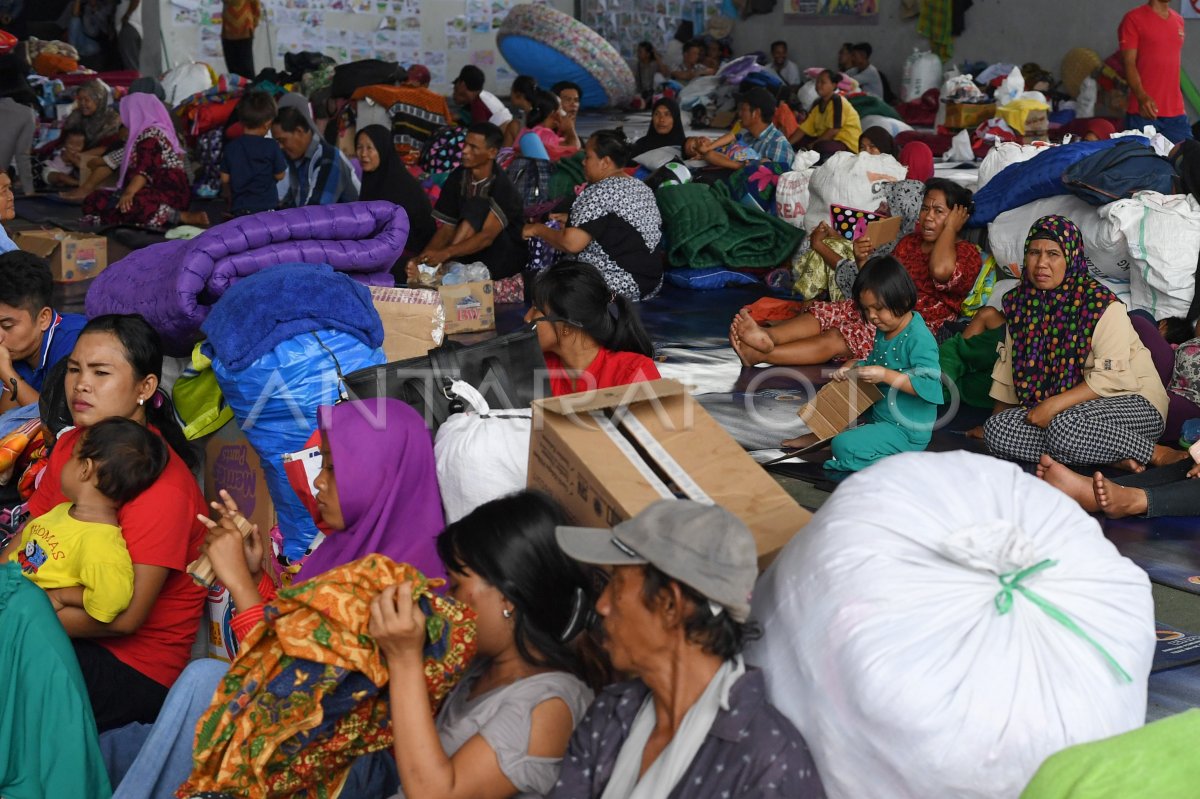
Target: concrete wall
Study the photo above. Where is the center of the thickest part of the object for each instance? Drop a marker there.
(1015, 31)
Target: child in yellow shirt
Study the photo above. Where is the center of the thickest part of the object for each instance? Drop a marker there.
(78, 544)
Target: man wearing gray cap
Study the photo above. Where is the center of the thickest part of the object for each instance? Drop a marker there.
(695, 721)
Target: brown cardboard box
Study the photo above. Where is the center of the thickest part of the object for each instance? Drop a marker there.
(606, 455)
(414, 321)
(72, 256)
(963, 116)
(232, 464)
(469, 307)
(836, 405)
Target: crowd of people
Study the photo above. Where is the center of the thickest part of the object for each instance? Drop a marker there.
(600, 662)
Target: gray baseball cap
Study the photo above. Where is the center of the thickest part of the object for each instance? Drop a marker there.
(702, 546)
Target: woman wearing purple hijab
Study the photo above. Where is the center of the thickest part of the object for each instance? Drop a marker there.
(152, 188)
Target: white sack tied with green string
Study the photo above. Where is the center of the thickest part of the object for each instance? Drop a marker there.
(945, 623)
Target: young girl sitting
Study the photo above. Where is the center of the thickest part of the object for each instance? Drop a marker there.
(904, 359)
(77, 547)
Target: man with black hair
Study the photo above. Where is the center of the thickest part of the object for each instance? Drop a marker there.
(691, 719)
(787, 70)
(33, 336)
(319, 173)
(691, 67)
(756, 109)
(480, 214)
(474, 103)
(569, 98)
(868, 77)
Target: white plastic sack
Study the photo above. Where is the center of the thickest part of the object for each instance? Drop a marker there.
(1011, 89)
(1086, 100)
(1002, 155)
(806, 95)
(851, 180)
(1163, 236)
(791, 193)
(481, 458)
(698, 91)
(185, 80)
(1103, 244)
(922, 72)
(960, 148)
(892, 645)
(893, 126)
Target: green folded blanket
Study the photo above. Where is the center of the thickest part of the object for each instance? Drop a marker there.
(866, 105)
(706, 228)
(568, 173)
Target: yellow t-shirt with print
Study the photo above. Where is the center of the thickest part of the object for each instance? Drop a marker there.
(59, 551)
(837, 113)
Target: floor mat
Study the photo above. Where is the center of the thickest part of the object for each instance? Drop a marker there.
(1168, 548)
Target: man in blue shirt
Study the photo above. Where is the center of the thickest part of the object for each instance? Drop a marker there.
(759, 139)
(33, 336)
(320, 174)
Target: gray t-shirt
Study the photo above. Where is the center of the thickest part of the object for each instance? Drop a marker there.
(502, 716)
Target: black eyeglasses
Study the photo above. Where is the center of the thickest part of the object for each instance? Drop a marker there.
(533, 323)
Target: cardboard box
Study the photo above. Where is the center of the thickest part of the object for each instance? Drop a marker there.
(72, 256)
(232, 464)
(414, 321)
(469, 307)
(837, 405)
(963, 116)
(607, 455)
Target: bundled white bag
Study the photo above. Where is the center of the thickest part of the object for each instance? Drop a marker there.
(1003, 154)
(1103, 244)
(946, 622)
(791, 192)
(852, 181)
(185, 80)
(481, 457)
(922, 72)
(893, 126)
(1162, 233)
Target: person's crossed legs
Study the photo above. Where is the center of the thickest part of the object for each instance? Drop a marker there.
(795, 342)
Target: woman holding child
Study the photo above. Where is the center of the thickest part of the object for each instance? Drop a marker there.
(129, 663)
(943, 268)
(1073, 379)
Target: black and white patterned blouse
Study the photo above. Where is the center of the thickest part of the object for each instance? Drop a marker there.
(621, 216)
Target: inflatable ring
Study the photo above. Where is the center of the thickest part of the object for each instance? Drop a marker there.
(552, 46)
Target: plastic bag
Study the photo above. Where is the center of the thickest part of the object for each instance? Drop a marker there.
(791, 192)
(1011, 89)
(918, 630)
(1162, 233)
(1103, 244)
(960, 148)
(922, 72)
(480, 458)
(853, 181)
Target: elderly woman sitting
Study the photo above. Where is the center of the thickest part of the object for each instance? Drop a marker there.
(695, 720)
(1073, 379)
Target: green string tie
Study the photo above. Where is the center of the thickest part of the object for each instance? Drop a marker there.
(1012, 581)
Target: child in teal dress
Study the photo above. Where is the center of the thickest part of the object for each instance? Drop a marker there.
(904, 361)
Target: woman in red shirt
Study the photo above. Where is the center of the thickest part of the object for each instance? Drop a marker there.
(591, 337)
(129, 663)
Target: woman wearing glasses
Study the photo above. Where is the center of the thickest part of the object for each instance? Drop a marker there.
(592, 337)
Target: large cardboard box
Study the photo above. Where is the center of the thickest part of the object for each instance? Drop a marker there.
(414, 321)
(469, 307)
(606, 455)
(837, 405)
(72, 256)
(231, 463)
(963, 116)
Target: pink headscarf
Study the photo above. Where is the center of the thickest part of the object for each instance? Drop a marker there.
(139, 112)
(919, 159)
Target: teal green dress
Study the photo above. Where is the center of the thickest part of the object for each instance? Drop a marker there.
(900, 422)
(48, 741)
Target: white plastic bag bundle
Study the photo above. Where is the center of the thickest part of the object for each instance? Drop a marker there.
(791, 193)
(852, 181)
(806, 95)
(893, 644)
(1162, 233)
(1002, 155)
(1103, 244)
(1011, 89)
(922, 72)
(480, 458)
(185, 80)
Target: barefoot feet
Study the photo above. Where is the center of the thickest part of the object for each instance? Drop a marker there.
(801, 442)
(749, 341)
(1117, 501)
(1165, 456)
(1074, 485)
(1130, 465)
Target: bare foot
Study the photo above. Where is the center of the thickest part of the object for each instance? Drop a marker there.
(1130, 465)
(1165, 456)
(800, 442)
(747, 355)
(73, 196)
(751, 333)
(1117, 501)
(196, 218)
(1074, 485)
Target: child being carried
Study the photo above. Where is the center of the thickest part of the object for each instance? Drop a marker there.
(78, 545)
